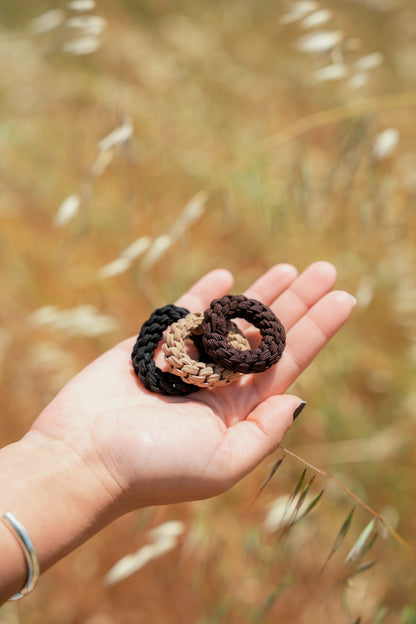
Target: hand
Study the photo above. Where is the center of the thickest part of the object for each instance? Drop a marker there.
(154, 449)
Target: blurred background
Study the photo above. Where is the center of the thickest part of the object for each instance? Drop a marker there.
(145, 142)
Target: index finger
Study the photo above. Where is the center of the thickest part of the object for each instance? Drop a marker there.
(214, 284)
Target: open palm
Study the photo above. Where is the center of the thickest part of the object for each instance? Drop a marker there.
(157, 449)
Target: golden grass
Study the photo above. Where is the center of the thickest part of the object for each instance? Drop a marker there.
(221, 101)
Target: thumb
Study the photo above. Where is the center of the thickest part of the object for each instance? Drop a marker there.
(248, 442)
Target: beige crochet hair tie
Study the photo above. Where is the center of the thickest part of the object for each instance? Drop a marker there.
(202, 374)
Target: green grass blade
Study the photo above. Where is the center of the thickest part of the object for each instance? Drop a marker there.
(272, 597)
(342, 533)
(271, 475)
(304, 493)
(360, 569)
(298, 485)
(312, 504)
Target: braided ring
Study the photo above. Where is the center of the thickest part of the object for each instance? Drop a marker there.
(151, 333)
(192, 371)
(271, 329)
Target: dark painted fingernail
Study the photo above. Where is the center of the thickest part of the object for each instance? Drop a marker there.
(298, 409)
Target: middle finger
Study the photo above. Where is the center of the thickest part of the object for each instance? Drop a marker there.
(291, 299)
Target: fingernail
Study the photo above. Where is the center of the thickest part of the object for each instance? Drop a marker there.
(298, 409)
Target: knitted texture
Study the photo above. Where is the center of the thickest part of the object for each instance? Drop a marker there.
(151, 333)
(271, 329)
(202, 374)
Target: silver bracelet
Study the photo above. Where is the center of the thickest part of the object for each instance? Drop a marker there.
(25, 542)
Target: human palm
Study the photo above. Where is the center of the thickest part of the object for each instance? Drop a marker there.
(157, 449)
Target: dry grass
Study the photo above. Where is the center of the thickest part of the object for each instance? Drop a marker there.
(224, 103)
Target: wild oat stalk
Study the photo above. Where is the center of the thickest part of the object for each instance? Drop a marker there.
(286, 511)
(364, 543)
(374, 513)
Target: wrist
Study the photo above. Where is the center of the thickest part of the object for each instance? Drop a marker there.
(57, 493)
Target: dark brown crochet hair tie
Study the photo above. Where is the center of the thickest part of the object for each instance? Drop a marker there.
(271, 329)
(151, 333)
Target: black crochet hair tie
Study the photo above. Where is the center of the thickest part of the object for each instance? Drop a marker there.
(271, 329)
(151, 333)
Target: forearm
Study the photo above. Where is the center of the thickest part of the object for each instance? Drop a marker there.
(56, 495)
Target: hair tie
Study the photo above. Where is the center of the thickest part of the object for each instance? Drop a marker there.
(271, 329)
(151, 333)
(200, 373)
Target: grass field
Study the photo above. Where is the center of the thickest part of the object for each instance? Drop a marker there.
(236, 134)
